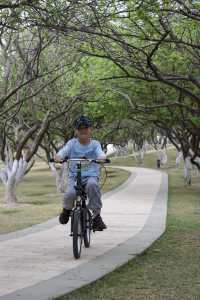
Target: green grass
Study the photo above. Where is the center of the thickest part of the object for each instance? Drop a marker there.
(38, 199)
(170, 268)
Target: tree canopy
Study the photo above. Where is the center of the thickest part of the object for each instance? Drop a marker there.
(133, 66)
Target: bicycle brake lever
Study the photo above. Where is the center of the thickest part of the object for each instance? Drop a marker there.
(52, 160)
(107, 161)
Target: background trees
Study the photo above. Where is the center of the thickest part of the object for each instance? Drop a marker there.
(133, 66)
(35, 77)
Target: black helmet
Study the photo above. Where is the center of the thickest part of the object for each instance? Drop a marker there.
(83, 121)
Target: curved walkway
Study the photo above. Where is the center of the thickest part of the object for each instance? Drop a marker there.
(39, 264)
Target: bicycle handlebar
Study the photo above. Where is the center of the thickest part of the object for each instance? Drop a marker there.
(107, 160)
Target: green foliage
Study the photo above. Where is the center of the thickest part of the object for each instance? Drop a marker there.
(137, 63)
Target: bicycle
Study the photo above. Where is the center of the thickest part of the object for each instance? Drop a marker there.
(81, 217)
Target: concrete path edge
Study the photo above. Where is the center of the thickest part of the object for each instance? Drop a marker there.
(97, 268)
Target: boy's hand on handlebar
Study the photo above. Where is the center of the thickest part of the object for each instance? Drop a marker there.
(103, 160)
(57, 158)
(102, 157)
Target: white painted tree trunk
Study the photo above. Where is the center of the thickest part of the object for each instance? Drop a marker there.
(10, 198)
(195, 171)
(110, 149)
(159, 154)
(187, 171)
(61, 176)
(164, 157)
(179, 157)
(12, 173)
(141, 153)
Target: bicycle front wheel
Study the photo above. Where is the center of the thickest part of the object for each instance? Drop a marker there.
(77, 234)
(87, 227)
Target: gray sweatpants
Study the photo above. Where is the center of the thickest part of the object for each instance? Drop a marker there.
(93, 192)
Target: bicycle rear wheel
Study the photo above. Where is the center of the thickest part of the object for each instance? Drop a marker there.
(87, 227)
(77, 234)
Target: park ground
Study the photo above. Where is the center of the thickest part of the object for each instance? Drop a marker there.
(169, 269)
(39, 200)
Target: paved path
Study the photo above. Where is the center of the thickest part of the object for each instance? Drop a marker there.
(39, 264)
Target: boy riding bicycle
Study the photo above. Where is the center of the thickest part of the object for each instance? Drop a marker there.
(83, 146)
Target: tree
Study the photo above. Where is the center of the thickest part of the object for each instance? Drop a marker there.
(29, 80)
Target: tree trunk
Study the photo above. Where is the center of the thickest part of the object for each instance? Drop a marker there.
(164, 157)
(187, 171)
(11, 175)
(179, 157)
(10, 194)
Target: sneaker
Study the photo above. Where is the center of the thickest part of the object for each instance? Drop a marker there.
(98, 224)
(64, 216)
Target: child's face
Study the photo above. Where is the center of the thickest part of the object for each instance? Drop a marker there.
(84, 133)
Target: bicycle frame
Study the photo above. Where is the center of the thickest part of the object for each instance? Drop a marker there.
(79, 187)
(81, 195)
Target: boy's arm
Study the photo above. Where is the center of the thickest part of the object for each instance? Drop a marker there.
(57, 158)
(100, 154)
(62, 153)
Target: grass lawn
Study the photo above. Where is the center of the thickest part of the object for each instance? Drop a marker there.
(38, 199)
(170, 268)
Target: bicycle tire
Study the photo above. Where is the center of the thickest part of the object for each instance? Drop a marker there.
(87, 227)
(77, 234)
